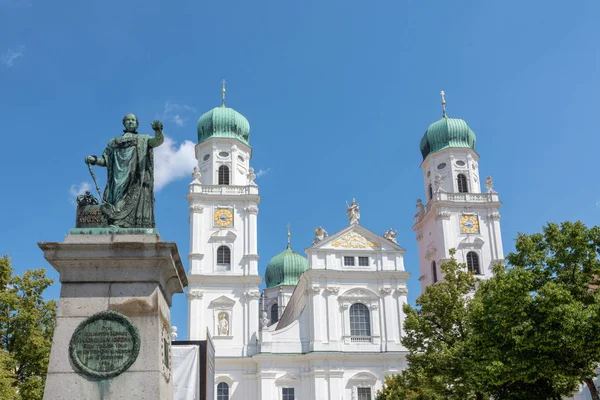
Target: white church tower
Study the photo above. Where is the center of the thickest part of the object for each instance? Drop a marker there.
(223, 292)
(456, 214)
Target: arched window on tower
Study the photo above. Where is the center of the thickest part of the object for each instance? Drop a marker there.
(473, 263)
(222, 391)
(223, 175)
(430, 191)
(274, 313)
(360, 323)
(434, 271)
(223, 258)
(461, 181)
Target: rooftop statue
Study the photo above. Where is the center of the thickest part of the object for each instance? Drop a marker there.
(353, 212)
(128, 200)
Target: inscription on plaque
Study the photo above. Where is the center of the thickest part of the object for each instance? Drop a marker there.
(104, 345)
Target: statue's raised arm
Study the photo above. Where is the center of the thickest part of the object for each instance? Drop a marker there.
(158, 138)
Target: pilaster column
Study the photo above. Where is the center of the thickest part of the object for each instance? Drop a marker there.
(252, 296)
(196, 243)
(197, 326)
(252, 212)
(318, 333)
(401, 293)
(390, 318)
(334, 328)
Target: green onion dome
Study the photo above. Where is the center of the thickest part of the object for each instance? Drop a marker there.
(285, 268)
(223, 122)
(445, 133)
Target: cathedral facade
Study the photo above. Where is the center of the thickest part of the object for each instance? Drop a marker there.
(329, 325)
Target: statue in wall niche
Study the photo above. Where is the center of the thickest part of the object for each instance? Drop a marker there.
(128, 200)
(353, 212)
(223, 324)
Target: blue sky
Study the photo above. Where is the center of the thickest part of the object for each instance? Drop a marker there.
(338, 95)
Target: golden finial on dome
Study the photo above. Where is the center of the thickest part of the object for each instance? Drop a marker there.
(443, 103)
(223, 82)
(288, 234)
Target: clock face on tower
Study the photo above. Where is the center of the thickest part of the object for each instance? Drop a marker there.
(469, 224)
(223, 217)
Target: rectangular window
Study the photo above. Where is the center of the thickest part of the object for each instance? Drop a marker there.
(287, 393)
(363, 261)
(348, 261)
(363, 393)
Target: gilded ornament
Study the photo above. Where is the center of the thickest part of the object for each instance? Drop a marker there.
(223, 217)
(354, 240)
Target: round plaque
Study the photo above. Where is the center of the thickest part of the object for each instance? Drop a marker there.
(104, 345)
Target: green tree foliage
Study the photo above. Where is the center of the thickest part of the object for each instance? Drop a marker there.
(408, 385)
(535, 325)
(436, 334)
(26, 329)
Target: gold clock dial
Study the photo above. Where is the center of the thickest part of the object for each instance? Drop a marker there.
(469, 224)
(223, 217)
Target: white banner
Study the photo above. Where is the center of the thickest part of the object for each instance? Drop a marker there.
(186, 372)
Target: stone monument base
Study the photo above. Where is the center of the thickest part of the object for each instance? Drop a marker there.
(132, 276)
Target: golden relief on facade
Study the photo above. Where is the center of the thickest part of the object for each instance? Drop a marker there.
(355, 240)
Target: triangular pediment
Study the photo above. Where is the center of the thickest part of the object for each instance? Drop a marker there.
(286, 379)
(356, 237)
(222, 302)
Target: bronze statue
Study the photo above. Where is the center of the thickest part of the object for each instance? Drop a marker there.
(128, 200)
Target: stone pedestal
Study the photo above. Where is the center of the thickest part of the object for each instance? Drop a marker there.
(134, 275)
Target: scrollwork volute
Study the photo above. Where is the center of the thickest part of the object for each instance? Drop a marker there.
(194, 294)
(333, 289)
(251, 210)
(196, 208)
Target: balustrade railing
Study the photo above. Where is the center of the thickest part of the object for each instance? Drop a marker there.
(458, 198)
(224, 189)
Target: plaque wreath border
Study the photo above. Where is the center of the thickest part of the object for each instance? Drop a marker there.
(110, 316)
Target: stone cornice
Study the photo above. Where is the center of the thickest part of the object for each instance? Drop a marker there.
(225, 278)
(346, 274)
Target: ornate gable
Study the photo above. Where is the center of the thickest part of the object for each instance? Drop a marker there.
(355, 237)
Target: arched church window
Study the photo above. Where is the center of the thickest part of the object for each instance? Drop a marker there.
(223, 175)
(434, 271)
(461, 181)
(430, 191)
(223, 258)
(222, 391)
(360, 322)
(274, 313)
(473, 262)
(363, 393)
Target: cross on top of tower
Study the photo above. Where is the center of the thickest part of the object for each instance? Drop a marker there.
(223, 82)
(443, 103)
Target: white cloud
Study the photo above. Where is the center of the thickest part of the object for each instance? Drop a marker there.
(177, 113)
(262, 172)
(178, 120)
(77, 190)
(10, 56)
(172, 162)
